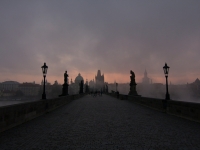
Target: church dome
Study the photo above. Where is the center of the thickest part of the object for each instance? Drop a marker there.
(78, 79)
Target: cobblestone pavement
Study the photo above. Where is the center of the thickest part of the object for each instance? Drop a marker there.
(103, 123)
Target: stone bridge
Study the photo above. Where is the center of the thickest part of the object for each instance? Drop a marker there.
(103, 122)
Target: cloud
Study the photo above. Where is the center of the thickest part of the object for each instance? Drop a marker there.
(114, 36)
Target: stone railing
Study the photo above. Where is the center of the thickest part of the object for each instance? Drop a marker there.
(16, 114)
(182, 109)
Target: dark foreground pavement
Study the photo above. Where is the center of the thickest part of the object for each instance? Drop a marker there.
(103, 123)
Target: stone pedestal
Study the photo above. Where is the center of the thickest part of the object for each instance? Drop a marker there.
(81, 87)
(65, 85)
(133, 90)
(64, 90)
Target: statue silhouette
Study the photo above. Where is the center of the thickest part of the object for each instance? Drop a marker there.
(65, 85)
(132, 77)
(133, 84)
(65, 77)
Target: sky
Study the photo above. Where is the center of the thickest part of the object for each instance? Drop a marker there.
(114, 36)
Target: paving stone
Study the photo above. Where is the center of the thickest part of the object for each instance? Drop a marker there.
(103, 123)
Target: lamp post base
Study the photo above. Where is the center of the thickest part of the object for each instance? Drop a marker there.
(43, 96)
(167, 97)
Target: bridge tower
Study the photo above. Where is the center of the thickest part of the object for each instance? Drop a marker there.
(99, 79)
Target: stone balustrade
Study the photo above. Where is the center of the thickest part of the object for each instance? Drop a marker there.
(188, 110)
(12, 115)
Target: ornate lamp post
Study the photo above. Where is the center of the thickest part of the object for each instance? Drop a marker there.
(44, 71)
(166, 72)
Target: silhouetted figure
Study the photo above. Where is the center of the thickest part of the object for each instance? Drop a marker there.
(81, 87)
(133, 84)
(65, 85)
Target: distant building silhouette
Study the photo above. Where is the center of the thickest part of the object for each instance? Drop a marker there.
(92, 85)
(29, 89)
(78, 79)
(99, 79)
(8, 93)
(46, 83)
(86, 87)
(196, 84)
(145, 79)
(194, 88)
(56, 88)
(98, 84)
(9, 85)
(74, 86)
(123, 88)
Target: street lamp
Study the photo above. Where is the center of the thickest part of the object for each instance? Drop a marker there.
(166, 72)
(44, 71)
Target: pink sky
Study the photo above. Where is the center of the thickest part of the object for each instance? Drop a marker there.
(109, 77)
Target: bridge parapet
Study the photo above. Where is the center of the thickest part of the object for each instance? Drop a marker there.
(188, 110)
(13, 115)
